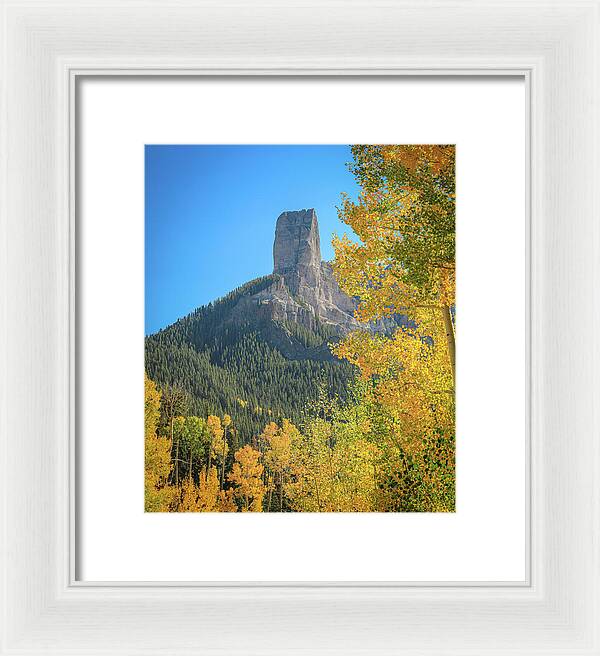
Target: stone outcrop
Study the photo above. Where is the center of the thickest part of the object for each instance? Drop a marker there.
(306, 291)
(302, 289)
(297, 250)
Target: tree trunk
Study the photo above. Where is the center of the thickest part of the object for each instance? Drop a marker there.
(281, 492)
(450, 341)
(176, 455)
(271, 485)
(317, 493)
(223, 464)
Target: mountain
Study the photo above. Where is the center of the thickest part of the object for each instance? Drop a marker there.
(262, 352)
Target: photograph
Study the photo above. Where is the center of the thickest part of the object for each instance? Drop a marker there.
(300, 322)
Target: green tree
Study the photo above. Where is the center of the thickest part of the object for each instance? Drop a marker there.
(194, 438)
(174, 404)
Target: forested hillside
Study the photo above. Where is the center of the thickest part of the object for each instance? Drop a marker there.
(235, 365)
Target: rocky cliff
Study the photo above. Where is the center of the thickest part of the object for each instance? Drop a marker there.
(303, 289)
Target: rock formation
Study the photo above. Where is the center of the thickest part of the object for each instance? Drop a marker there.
(297, 250)
(304, 289)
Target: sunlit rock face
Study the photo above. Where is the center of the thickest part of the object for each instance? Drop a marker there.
(309, 281)
(297, 250)
(302, 290)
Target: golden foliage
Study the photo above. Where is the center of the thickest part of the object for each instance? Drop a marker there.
(151, 407)
(157, 455)
(405, 221)
(215, 428)
(205, 496)
(404, 264)
(246, 478)
(333, 470)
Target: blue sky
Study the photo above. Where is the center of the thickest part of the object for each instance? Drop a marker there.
(210, 214)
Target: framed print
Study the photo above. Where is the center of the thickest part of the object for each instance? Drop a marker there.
(294, 316)
(300, 328)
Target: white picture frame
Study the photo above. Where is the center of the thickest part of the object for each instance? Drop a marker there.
(554, 46)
